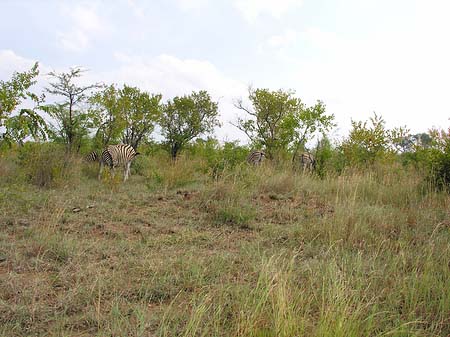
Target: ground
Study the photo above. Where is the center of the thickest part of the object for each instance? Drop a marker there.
(288, 255)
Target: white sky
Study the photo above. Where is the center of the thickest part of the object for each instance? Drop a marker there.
(358, 56)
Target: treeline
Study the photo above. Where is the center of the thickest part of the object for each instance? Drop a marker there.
(89, 117)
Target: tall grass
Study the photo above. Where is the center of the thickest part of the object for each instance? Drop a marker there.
(48, 165)
(254, 251)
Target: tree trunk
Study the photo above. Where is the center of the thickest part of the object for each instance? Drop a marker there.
(174, 149)
(70, 126)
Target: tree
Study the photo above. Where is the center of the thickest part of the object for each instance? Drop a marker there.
(71, 119)
(369, 141)
(107, 116)
(279, 121)
(440, 157)
(187, 117)
(139, 111)
(20, 123)
(400, 140)
(307, 121)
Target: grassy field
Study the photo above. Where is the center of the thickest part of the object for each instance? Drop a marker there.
(257, 252)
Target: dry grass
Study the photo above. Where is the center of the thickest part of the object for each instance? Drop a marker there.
(259, 252)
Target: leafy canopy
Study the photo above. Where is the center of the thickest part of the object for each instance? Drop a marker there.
(187, 117)
(371, 139)
(278, 121)
(72, 119)
(20, 122)
(128, 115)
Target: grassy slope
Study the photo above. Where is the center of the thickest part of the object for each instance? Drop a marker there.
(258, 253)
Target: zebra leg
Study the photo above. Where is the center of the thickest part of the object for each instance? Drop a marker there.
(100, 171)
(127, 171)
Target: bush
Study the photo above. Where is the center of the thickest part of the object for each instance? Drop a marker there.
(440, 171)
(219, 158)
(8, 167)
(47, 165)
(163, 173)
(439, 158)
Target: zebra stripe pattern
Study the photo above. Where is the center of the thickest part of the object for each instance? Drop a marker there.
(256, 157)
(307, 162)
(117, 155)
(91, 157)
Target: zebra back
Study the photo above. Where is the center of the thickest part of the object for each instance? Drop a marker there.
(118, 155)
(307, 161)
(91, 157)
(256, 157)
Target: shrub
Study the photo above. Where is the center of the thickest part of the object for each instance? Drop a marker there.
(8, 167)
(440, 171)
(439, 159)
(371, 142)
(218, 158)
(48, 165)
(163, 173)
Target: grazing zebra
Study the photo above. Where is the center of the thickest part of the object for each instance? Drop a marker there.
(91, 157)
(117, 155)
(307, 162)
(256, 157)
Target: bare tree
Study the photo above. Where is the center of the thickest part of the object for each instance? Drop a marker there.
(72, 120)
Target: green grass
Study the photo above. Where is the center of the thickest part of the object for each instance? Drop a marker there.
(258, 252)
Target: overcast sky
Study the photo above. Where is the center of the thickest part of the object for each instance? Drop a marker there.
(358, 56)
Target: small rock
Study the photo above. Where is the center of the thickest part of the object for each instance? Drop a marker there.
(90, 206)
(3, 258)
(76, 210)
(23, 222)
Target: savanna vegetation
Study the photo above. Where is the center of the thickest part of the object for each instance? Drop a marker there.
(197, 242)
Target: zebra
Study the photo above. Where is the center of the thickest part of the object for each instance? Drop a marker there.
(117, 155)
(91, 157)
(307, 162)
(256, 157)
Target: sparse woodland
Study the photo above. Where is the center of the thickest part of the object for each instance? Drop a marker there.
(199, 243)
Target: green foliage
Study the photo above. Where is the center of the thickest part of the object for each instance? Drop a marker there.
(323, 156)
(47, 165)
(279, 121)
(106, 113)
(369, 142)
(186, 118)
(164, 174)
(440, 158)
(219, 158)
(26, 123)
(19, 123)
(271, 124)
(138, 111)
(72, 121)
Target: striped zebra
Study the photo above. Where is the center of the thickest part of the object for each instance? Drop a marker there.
(307, 162)
(117, 155)
(91, 157)
(256, 157)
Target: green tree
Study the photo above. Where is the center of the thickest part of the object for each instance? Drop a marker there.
(371, 139)
(187, 117)
(306, 122)
(107, 116)
(440, 157)
(138, 112)
(278, 121)
(324, 153)
(72, 120)
(20, 122)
